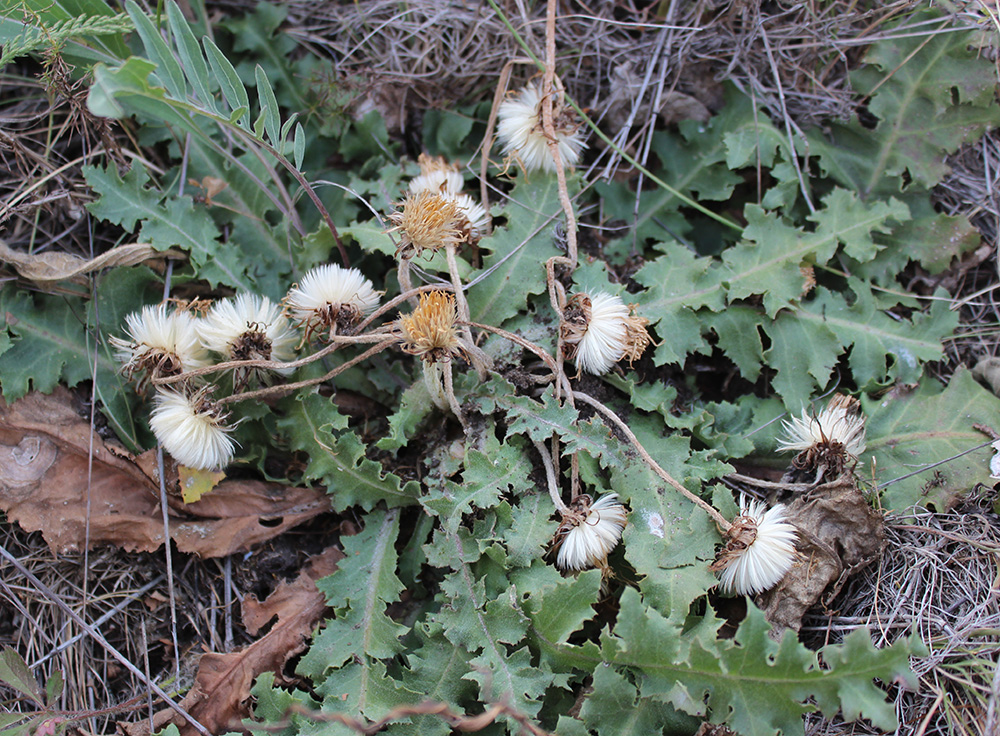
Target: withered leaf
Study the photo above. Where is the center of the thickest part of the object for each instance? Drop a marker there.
(45, 481)
(222, 686)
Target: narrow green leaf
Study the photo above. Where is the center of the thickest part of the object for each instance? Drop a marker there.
(169, 70)
(268, 107)
(299, 146)
(232, 86)
(191, 56)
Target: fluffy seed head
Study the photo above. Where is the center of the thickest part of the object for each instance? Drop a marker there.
(429, 332)
(248, 327)
(428, 221)
(160, 343)
(436, 176)
(523, 138)
(192, 429)
(331, 299)
(599, 330)
(830, 442)
(760, 549)
(841, 421)
(589, 532)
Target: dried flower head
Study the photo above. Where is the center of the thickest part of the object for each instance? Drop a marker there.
(429, 332)
(477, 219)
(760, 549)
(437, 176)
(523, 138)
(331, 299)
(589, 531)
(830, 440)
(599, 330)
(429, 221)
(160, 343)
(192, 429)
(249, 327)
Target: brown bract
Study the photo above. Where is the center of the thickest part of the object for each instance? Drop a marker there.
(428, 221)
(429, 332)
(45, 478)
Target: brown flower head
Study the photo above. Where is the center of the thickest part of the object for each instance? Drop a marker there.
(430, 331)
(429, 221)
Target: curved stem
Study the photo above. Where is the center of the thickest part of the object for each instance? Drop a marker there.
(518, 340)
(285, 388)
(399, 299)
(616, 420)
(449, 392)
(550, 478)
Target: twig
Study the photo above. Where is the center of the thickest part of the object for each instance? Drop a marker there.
(550, 478)
(99, 638)
(708, 508)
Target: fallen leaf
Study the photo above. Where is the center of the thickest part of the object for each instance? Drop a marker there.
(218, 699)
(55, 266)
(838, 535)
(196, 483)
(46, 481)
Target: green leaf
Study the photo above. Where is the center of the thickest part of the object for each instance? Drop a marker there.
(15, 674)
(911, 431)
(232, 86)
(515, 268)
(883, 349)
(932, 93)
(359, 591)
(557, 606)
(768, 261)
(615, 707)
(268, 107)
(191, 57)
(168, 68)
(337, 457)
(484, 478)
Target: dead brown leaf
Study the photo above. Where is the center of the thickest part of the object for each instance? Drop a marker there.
(43, 268)
(45, 477)
(222, 686)
(838, 534)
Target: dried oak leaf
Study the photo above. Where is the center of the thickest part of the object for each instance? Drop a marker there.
(222, 685)
(838, 534)
(45, 476)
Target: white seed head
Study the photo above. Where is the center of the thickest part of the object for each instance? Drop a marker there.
(587, 541)
(249, 327)
(520, 131)
(840, 422)
(477, 216)
(437, 182)
(596, 330)
(162, 343)
(760, 550)
(192, 429)
(437, 176)
(328, 294)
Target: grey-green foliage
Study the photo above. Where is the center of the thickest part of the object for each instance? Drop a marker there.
(446, 592)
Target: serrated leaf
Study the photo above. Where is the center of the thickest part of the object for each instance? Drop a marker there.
(913, 431)
(883, 349)
(515, 266)
(364, 583)
(768, 261)
(739, 674)
(337, 457)
(484, 479)
(415, 405)
(556, 605)
(738, 330)
(931, 93)
(678, 283)
(615, 707)
(803, 352)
